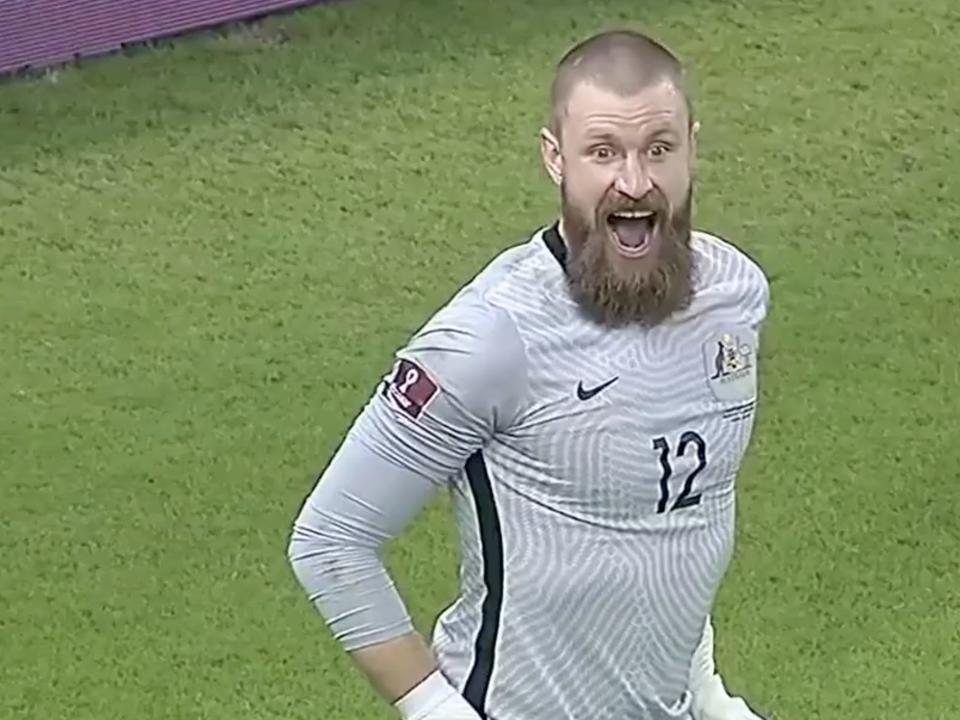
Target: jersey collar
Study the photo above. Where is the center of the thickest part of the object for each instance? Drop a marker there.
(555, 244)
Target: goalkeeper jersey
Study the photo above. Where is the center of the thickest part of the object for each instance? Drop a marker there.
(592, 474)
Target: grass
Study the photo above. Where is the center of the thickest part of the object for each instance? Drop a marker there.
(209, 251)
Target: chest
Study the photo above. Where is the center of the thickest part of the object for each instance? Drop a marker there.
(638, 425)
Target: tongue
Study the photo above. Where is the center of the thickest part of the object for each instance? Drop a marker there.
(633, 232)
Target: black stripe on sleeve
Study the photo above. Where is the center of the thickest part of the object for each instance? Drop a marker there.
(478, 682)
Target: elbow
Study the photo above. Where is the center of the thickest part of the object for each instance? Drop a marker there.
(309, 540)
(314, 560)
(337, 566)
(322, 550)
(297, 547)
(309, 548)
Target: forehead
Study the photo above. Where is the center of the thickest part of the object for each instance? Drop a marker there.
(592, 108)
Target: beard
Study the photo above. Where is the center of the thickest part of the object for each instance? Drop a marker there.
(618, 291)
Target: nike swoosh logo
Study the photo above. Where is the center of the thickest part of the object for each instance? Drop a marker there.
(585, 394)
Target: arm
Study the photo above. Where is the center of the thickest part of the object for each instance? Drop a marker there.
(711, 700)
(360, 503)
(453, 387)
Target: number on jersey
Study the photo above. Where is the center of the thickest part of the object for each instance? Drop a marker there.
(686, 498)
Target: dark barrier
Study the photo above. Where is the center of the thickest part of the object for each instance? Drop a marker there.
(38, 33)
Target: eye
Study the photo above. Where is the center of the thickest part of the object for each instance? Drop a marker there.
(660, 149)
(602, 152)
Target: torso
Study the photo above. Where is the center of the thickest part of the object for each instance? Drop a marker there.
(614, 491)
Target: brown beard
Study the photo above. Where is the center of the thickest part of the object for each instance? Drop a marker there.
(646, 296)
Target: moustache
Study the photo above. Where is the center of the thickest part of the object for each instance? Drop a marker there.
(652, 204)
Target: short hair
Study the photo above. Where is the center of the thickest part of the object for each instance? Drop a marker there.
(622, 61)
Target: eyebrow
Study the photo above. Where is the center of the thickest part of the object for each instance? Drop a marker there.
(657, 134)
(600, 135)
(665, 132)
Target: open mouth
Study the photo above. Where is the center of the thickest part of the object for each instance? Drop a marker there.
(632, 231)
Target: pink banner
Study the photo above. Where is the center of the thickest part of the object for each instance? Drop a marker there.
(37, 33)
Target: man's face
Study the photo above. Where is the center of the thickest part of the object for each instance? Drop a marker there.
(624, 166)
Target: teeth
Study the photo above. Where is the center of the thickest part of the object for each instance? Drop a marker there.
(634, 214)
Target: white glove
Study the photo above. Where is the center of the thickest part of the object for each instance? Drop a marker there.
(711, 702)
(435, 699)
(710, 698)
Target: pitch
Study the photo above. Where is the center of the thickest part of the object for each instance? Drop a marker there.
(208, 252)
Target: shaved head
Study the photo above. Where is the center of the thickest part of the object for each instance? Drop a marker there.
(620, 61)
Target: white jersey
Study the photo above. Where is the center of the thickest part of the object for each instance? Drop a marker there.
(592, 472)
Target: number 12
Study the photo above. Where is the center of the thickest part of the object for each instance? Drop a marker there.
(685, 499)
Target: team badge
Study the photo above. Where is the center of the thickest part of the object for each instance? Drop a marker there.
(731, 364)
(410, 388)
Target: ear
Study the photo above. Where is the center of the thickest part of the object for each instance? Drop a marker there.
(694, 132)
(552, 158)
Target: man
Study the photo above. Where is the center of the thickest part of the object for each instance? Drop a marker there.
(586, 400)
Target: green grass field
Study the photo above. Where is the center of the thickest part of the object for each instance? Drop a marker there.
(210, 251)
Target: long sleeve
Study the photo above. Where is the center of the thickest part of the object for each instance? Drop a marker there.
(452, 387)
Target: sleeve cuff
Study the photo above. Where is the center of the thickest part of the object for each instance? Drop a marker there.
(431, 692)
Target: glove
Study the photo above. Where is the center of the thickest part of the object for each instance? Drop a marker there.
(435, 699)
(710, 698)
(711, 702)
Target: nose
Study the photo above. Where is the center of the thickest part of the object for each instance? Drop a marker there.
(633, 180)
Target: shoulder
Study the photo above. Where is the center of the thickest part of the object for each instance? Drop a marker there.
(481, 318)
(726, 260)
(466, 334)
(471, 347)
(514, 269)
(724, 266)
(720, 261)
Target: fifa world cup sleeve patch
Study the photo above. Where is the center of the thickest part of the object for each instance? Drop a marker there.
(410, 389)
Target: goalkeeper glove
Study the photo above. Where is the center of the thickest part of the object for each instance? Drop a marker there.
(435, 699)
(711, 702)
(710, 698)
